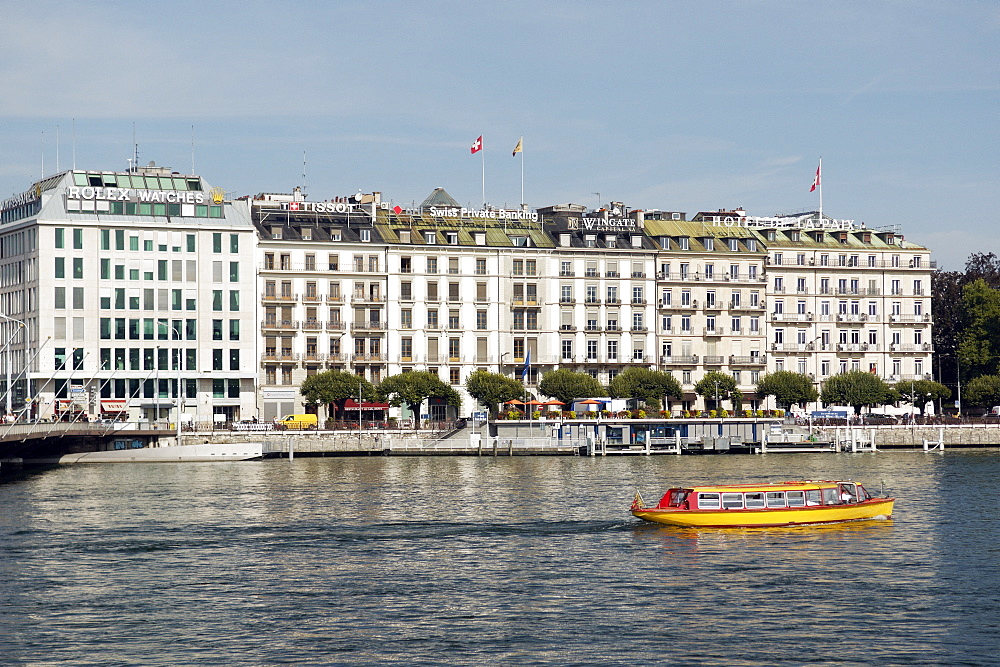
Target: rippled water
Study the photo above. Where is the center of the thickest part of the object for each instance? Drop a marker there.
(490, 561)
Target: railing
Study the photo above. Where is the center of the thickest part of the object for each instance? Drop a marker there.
(368, 326)
(687, 360)
(335, 325)
(283, 325)
(279, 298)
(312, 325)
(758, 360)
(280, 357)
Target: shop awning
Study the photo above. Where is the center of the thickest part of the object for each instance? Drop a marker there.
(351, 404)
(114, 406)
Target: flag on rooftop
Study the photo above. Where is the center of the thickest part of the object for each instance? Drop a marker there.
(518, 148)
(478, 146)
(815, 180)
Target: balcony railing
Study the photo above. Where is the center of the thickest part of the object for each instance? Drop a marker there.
(280, 325)
(684, 360)
(753, 360)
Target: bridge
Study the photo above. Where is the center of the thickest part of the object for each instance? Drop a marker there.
(47, 439)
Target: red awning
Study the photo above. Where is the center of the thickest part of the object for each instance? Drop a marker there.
(351, 404)
(113, 406)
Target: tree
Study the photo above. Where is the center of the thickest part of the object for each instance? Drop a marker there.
(717, 386)
(645, 385)
(492, 389)
(335, 387)
(413, 388)
(982, 391)
(567, 386)
(918, 392)
(979, 333)
(788, 388)
(858, 389)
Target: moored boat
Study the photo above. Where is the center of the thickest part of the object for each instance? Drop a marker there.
(760, 505)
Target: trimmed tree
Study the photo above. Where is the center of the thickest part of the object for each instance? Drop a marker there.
(413, 388)
(646, 385)
(921, 391)
(787, 388)
(858, 389)
(335, 387)
(982, 391)
(492, 389)
(567, 386)
(717, 386)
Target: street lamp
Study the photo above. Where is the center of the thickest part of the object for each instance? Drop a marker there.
(8, 355)
(500, 364)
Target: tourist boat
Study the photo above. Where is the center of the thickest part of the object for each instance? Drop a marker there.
(759, 505)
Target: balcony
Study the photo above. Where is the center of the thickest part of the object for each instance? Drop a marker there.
(335, 298)
(753, 360)
(370, 298)
(714, 331)
(279, 299)
(369, 357)
(611, 274)
(567, 299)
(613, 301)
(567, 327)
(689, 360)
(368, 326)
(337, 358)
(483, 359)
(792, 347)
(516, 301)
(852, 347)
(566, 274)
(593, 327)
(312, 298)
(335, 325)
(613, 328)
(714, 360)
(279, 325)
(854, 317)
(791, 317)
(279, 357)
(592, 300)
(643, 359)
(909, 318)
(638, 302)
(312, 325)
(312, 357)
(638, 274)
(639, 329)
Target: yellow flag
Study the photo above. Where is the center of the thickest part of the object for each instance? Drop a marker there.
(518, 148)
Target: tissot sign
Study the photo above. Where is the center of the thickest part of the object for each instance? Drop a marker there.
(319, 206)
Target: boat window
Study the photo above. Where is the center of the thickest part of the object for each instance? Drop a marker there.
(814, 497)
(831, 497)
(677, 498)
(776, 498)
(732, 501)
(753, 500)
(708, 501)
(796, 498)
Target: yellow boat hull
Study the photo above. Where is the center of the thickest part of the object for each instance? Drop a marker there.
(877, 508)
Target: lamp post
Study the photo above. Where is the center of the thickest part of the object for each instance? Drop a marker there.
(7, 359)
(500, 364)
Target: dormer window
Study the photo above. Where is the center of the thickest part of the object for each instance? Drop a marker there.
(519, 241)
(404, 236)
(751, 245)
(684, 243)
(307, 233)
(610, 241)
(665, 242)
(275, 232)
(335, 235)
(734, 245)
(589, 241)
(794, 235)
(564, 239)
(636, 241)
(771, 235)
(430, 238)
(709, 243)
(479, 238)
(452, 238)
(366, 235)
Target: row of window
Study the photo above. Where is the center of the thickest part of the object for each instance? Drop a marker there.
(162, 329)
(161, 388)
(186, 244)
(872, 261)
(165, 270)
(165, 300)
(162, 359)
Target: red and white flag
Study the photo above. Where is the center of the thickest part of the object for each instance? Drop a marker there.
(815, 180)
(478, 146)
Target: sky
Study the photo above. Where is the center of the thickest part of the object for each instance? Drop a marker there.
(681, 106)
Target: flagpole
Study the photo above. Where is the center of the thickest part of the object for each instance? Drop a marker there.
(820, 172)
(522, 177)
(483, 151)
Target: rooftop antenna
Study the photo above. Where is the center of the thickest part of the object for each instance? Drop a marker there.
(303, 173)
(42, 148)
(57, 149)
(135, 149)
(74, 143)
(598, 200)
(193, 172)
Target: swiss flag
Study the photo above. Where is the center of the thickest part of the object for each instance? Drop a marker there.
(293, 206)
(815, 180)
(478, 146)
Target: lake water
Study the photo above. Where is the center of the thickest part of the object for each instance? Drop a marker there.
(469, 561)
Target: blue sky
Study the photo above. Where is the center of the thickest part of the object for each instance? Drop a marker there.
(673, 105)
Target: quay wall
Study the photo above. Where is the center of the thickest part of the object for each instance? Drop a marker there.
(965, 435)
